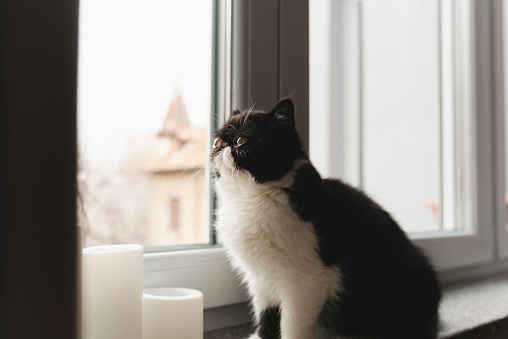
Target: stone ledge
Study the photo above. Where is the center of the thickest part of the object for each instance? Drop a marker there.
(469, 310)
(475, 309)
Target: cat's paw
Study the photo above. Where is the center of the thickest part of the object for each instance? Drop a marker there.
(254, 336)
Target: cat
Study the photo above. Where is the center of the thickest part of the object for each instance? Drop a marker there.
(313, 252)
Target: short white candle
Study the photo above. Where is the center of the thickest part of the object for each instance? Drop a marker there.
(112, 292)
(172, 313)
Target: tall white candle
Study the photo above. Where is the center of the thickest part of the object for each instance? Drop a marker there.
(172, 313)
(112, 292)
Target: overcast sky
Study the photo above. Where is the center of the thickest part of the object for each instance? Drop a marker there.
(132, 57)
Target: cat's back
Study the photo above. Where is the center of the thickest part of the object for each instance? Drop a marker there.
(333, 201)
(382, 270)
(352, 227)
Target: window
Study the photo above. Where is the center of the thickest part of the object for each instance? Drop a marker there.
(145, 75)
(389, 144)
(401, 93)
(400, 97)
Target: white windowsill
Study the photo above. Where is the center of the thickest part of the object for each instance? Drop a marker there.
(209, 271)
(206, 270)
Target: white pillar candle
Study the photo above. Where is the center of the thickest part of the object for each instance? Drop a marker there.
(112, 292)
(172, 313)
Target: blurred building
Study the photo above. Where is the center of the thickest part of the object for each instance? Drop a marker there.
(178, 212)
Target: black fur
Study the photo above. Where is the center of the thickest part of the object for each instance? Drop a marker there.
(274, 146)
(269, 324)
(388, 288)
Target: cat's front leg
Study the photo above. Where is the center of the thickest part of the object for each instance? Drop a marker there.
(268, 326)
(300, 313)
(267, 322)
(298, 323)
(267, 314)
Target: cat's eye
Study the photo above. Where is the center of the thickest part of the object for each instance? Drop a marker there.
(240, 141)
(217, 142)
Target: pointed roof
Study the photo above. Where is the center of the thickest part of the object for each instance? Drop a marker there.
(187, 143)
(176, 117)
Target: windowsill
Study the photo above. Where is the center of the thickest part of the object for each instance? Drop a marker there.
(475, 309)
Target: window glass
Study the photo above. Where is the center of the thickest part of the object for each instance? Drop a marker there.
(385, 103)
(144, 92)
(401, 113)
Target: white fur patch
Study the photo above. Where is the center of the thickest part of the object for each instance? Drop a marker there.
(275, 252)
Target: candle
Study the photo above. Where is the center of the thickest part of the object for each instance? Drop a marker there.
(112, 292)
(172, 313)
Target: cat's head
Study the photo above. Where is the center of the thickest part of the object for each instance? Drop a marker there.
(265, 144)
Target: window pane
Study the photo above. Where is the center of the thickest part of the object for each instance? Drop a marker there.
(401, 113)
(391, 102)
(144, 119)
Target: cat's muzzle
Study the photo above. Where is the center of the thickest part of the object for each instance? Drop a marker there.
(224, 163)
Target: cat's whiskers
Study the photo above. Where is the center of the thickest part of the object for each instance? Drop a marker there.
(246, 117)
(215, 117)
(234, 172)
(233, 128)
(196, 173)
(251, 108)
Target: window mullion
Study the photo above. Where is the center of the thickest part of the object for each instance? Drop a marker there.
(294, 60)
(483, 106)
(255, 54)
(499, 14)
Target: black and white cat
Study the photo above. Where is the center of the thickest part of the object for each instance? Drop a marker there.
(313, 251)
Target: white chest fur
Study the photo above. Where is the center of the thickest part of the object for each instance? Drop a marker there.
(257, 224)
(276, 252)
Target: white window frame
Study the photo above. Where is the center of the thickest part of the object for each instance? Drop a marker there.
(270, 60)
(469, 253)
(465, 248)
(455, 254)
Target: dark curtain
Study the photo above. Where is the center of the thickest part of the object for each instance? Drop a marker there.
(38, 74)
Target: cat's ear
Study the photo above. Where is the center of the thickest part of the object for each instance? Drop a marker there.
(236, 112)
(284, 112)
